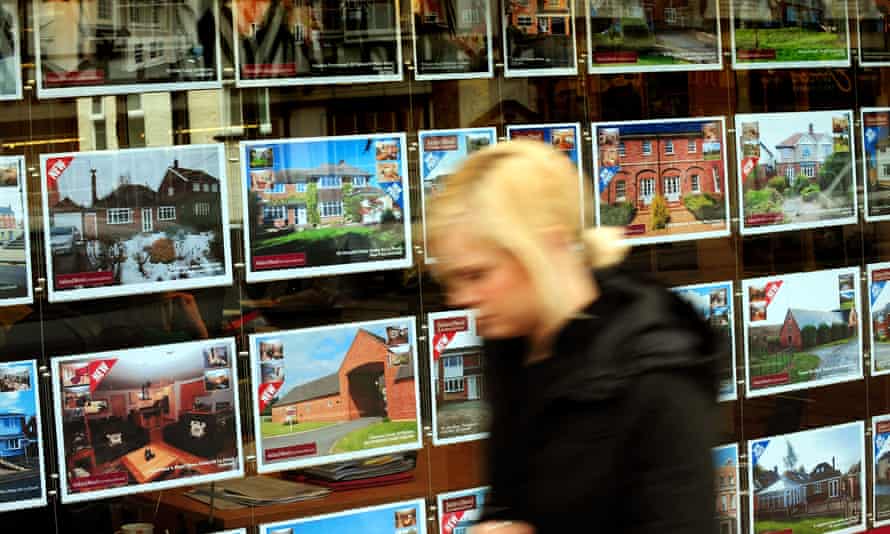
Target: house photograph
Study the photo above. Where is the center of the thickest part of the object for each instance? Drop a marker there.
(327, 206)
(21, 456)
(539, 37)
(103, 47)
(460, 410)
(662, 180)
(881, 466)
(451, 38)
(441, 152)
(879, 310)
(873, 20)
(15, 249)
(135, 221)
(805, 174)
(460, 510)
(317, 41)
(347, 393)
(876, 151)
(10, 72)
(726, 489)
(145, 419)
(643, 35)
(790, 33)
(809, 481)
(714, 303)
(406, 517)
(802, 332)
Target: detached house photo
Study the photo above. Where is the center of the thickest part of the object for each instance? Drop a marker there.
(327, 202)
(145, 416)
(346, 391)
(136, 217)
(880, 318)
(14, 248)
(452, 36)
(21, 472)
(539, 34)
(662, 178)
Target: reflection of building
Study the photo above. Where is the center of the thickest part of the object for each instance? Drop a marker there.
(803, 154)
(545, 17)
(367, 384)
(727, 497)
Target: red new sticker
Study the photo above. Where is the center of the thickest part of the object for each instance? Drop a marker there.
(748, 165)
(97, 370)
(55, 167)
(268, 392)
(440, 341)
(771, 289)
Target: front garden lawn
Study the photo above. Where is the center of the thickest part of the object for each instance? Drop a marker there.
(802, 526)
(383, 434)
(269, 429)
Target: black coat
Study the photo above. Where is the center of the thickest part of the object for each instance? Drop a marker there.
(613, 433)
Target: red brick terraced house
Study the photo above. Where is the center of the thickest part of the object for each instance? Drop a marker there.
(546, 17)
(372, 381)
(459, 374)
(725, 490)
(671, 164)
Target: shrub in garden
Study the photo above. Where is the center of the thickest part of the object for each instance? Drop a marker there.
(661, 215)
(619, 214)
(162, 251)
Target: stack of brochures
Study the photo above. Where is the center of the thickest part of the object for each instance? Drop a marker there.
(256, 491)
(352, 474)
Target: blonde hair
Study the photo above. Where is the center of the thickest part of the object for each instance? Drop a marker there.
(510, 193)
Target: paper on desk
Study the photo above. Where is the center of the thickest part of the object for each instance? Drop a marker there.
(257, 491)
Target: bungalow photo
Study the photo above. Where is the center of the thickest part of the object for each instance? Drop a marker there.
(876, 155)
(345, 392)
(802, 330)
(21, 456)
(713, 302)
(15, 257)
(726, 489)
(802, 174)
(879, 310)
(326, 206)
(135, 221)
(150, 418)
(809, 482)
(441, 152)
(776, 34)
(460, 411)
(662, 180)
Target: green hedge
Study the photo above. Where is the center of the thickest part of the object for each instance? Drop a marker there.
(619, 214)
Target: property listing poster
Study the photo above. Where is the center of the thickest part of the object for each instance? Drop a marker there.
(15, 247)
(147, 419)
(714, 303)
(809, 481)
(103, 48)
(460, 510)
(452, 39)
(802, 330)
(662, 180)
(771, 35)
(335, 393)
(441, 153)
(305, 42)
(460, 410)
(796, 170)
(10, 66)
(406, 517)
(628, 37)
(876, 162)
(323, 206)
(879, 310)
(728, 514)
(873, 27)
(881, 470)
(127, 222)
(565, 137)
(21, 437)
(539, 38)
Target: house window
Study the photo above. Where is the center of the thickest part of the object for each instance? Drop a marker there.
(723, 503)
(359, 181)
(171, 191)
(214, 188)
(670, 15)
(690, 147)
(205, 188)
(138, 53)
(620, 190)
(886, 169)
(647, 147)
(524, 21)
(669, 147)
(695, 183)
(809, 171)
(330, 181)
(622, 150)
(558, 26)
(196, 187)
(100, 139)
(331, 209)
(202, 209)
(454, 385)
(278, 188)
(716, 174)
(104, 9)
(96, 106)
(301, 187)
(789, 173)
(156, 45)
(167, 213)
(119, 216)
(274, 212)
(834, 488)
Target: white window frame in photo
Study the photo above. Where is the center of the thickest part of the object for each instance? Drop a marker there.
(331, 208)
(275, 212)
(170, 212)
(695, 183)
(691, 146)
(669, 147)
(114, 216)
(647, 147)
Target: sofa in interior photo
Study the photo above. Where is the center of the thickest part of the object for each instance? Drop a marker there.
(113, 437)
(196, 433)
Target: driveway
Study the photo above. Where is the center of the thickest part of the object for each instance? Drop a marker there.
(324, 438)
(685, 46)
(839, 360)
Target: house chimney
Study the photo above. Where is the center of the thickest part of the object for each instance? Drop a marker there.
(93, 186)
(811, 128)
(176, 161)
(776, 469)
(832, 463)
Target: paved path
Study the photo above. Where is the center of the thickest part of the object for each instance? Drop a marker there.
(838, 360)
(324, 438)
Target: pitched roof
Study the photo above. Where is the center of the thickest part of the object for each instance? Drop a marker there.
(788, 480)
(6, 210)
(796, 139)
(128, 196)
(290, 176)
(320, 387)
(824, 471)
(816, 318)
(190, 175)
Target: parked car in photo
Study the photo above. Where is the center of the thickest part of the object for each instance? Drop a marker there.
(63, 239)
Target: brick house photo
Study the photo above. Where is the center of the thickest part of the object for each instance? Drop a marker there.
(21, 462)
(726, 489)
(539, 34)
(879, 310)
(346, 390)
(135, 218)
(15, 254)
(881, 466)
(664, 178)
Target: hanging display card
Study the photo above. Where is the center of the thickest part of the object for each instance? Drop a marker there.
(802, 330)
(876, 162)
(873, 29)
(879, 316)
(325, 205)
(452, 39)
(335, 393)
(539, 38)
(662, 180)
(10, 65)
(146, 419)
(127, 222)
(406, 517)
(21, 437)
(15, 243)
(460, 510)
(726, 486)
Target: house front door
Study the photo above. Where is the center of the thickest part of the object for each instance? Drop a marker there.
(301, 216)
(672, 188)
(147, 223)
(647, 190)
(472, 387)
